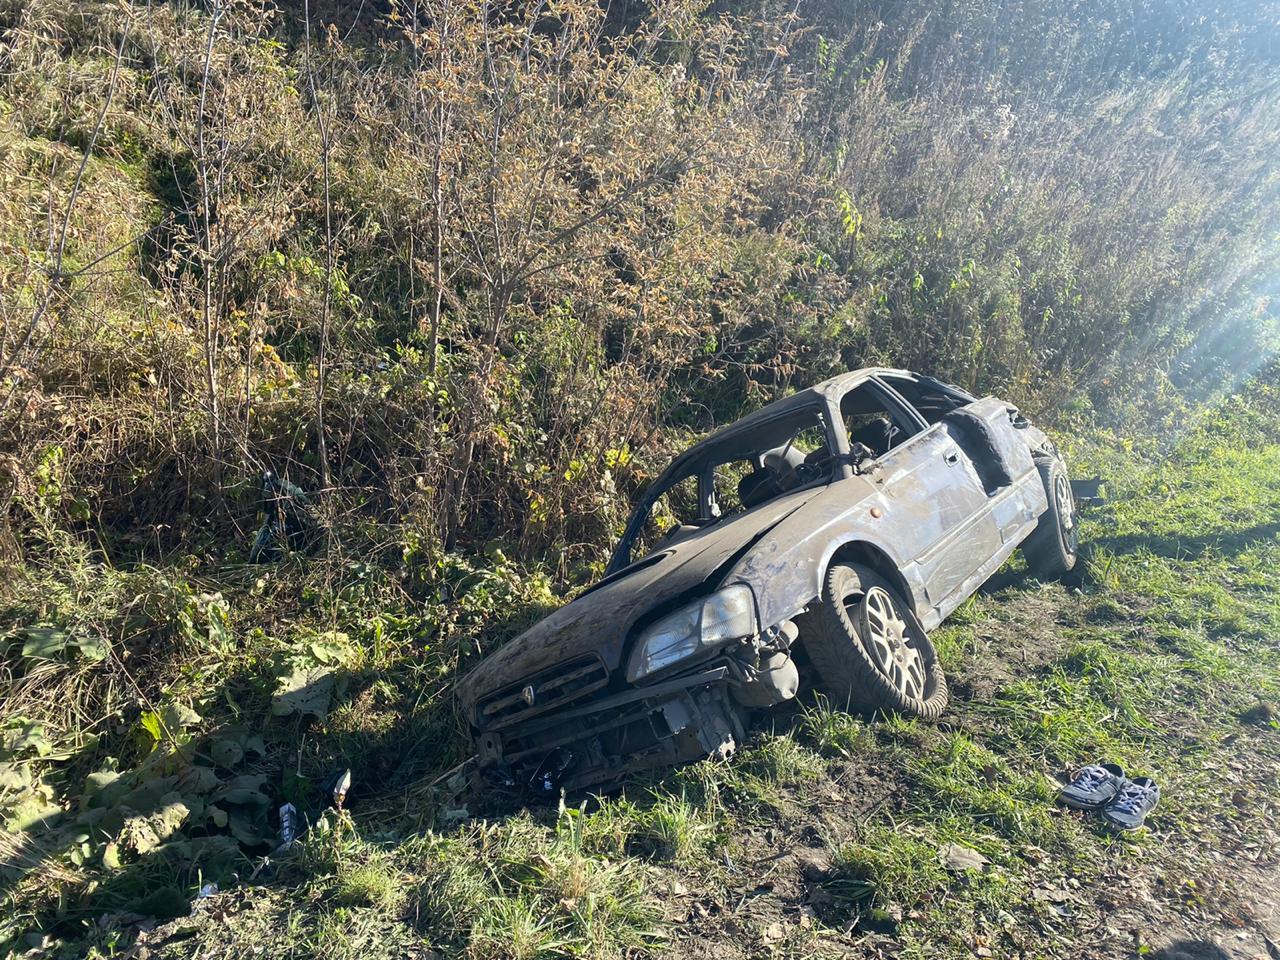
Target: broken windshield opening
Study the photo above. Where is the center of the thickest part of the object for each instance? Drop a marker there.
(675, 508)
(728, 475)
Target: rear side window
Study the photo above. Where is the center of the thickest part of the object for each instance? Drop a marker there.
(930, 399)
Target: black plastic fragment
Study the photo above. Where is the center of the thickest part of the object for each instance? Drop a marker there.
(288, 523)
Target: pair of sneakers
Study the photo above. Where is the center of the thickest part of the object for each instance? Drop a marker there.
(1124, 803)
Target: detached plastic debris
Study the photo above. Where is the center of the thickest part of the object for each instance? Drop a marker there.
(335, 787)
(551, 773)
(288, 827)
(454, 815)
(1088, 492)
(288, 523)
(959, 859)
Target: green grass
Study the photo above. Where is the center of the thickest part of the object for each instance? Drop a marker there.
(890, 866)
(777, 761)
(369, 885)
(671, 828)
(1161, 655)
(834, 732)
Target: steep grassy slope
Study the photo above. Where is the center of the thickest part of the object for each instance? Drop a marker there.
(827, 835)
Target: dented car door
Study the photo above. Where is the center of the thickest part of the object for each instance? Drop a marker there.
(951, 530)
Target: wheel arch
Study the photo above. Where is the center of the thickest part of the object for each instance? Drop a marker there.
(868, 554)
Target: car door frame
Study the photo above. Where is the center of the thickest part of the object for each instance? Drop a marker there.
(1013, 508)
(950, 561)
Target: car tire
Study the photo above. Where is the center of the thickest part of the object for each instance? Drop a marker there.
(868, 649)
(1051, 549)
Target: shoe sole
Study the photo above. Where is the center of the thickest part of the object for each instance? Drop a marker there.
(1127, 827)
(1081, 804)
(1123, 827)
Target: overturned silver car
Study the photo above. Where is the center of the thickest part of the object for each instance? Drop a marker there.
(824, 534)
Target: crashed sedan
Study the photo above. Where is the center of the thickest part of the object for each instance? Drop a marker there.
(817, 540)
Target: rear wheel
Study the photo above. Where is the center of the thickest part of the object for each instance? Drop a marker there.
(1051, 549)
(868, 648)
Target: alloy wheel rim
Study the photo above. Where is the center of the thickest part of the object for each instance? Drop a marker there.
(892, 643)
(1066, 512)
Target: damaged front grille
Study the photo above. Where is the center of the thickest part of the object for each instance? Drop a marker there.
(604, 741)
(555, 687)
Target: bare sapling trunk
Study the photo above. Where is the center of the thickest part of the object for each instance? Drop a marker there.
(322, 348)
(209, 180)
(58, 279)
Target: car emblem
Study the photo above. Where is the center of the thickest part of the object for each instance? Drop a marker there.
(527, 695)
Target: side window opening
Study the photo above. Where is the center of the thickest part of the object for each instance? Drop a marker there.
(789, 455)
(872, 422)
(932, 400)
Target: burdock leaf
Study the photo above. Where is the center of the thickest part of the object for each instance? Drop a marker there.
(304, 691)
(226, 752)
(178, 716)
(249, 826)
(245, 790)
(151, 723)
(14, 776)
(93, 648)
(45, 643)
(197, 779)
(332, 646)
(25, 735)
(145, 833)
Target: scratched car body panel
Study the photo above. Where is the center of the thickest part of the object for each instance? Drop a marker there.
(702, 615)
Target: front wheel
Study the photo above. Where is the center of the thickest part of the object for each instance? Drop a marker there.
(1052, 547)
(868, 648)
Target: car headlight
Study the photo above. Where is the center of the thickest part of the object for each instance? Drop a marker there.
(710, 622)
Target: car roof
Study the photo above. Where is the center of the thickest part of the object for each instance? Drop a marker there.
(830, 390)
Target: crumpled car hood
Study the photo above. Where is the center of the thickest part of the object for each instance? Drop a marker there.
(599, 620)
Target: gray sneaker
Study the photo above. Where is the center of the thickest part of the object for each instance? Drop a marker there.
(1094, 787)
(1137, 798)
